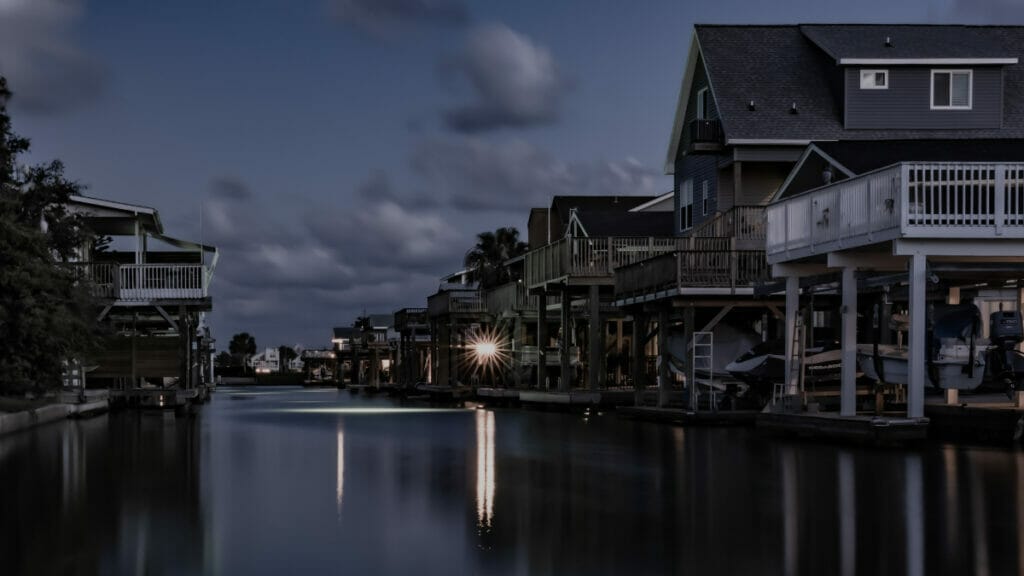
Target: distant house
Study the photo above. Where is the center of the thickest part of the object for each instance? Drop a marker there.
(341, 341)
(266, 362)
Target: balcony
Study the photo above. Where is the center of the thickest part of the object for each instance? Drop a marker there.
(140, 283)
(706, 272)
(592, 260)
(455, 302)
(909, 200)
(513, 297)
(745, 224)
(410, 319)
(705, 136)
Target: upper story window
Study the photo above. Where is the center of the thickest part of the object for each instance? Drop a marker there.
(702, 103)
(874, 79)
(951, 89)
(705, 197)
(686, 206)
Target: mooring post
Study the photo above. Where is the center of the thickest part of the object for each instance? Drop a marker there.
(848, 384)
(918, 310)
(664, 355)
(595, 356)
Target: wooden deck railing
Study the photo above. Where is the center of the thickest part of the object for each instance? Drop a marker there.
(144, 282)
(739, 222)
(909, 200)
(455, 301)
(692, 269)
(593, 257)
(513, 297)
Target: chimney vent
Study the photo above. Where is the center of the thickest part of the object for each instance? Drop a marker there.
(888, 42)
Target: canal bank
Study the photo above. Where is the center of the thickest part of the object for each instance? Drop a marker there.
(66, 407)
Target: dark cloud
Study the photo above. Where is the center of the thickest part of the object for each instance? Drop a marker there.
(988, 11)
(384, 17)
(230, 189)
(45, 68)
(515, 82)
(473, 174)
(296, 272)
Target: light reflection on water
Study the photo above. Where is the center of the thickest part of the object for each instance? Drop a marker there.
(368, 486)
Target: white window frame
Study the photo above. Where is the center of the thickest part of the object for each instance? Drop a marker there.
(702, 103)
(867, 80)
(970, 89)
(705, 197)
(686, 205)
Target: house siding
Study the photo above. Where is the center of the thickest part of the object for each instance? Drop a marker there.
(906, 104)
(699, 168)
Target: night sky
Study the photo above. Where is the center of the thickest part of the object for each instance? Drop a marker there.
(342, 154)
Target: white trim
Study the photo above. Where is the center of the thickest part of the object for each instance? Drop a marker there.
(134, 208)
(926, 61)
(812, 149)
(869, 74)
(686, 191)
(766, 142)
(970, 89)
(681, 103)
(657, 200)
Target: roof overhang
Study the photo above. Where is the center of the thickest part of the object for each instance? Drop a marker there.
(811, 149)
(765, 142)
(927, 61)
(651, 203)
(684, 100)
(100, 209)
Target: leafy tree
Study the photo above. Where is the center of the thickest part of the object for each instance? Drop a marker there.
(223, 360)
(286, 354)
(46, 313)
(487, 259)
(242, 347)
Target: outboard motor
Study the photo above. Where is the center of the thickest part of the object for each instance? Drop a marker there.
(1006, 331)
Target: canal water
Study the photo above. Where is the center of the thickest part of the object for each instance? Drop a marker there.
(294, 481)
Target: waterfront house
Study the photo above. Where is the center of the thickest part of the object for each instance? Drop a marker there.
(152, 293)
(412, 356)
(762, 108)
(456, 312)
(266, 362)
(341, 343)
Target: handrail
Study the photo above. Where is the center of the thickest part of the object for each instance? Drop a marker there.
(144, 282)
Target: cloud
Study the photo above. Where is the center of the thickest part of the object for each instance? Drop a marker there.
(45, 67)
(290, 273)
(386, 17)
(515, 82)
(474, 174)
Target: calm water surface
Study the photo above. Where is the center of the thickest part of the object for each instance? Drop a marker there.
(291, 481)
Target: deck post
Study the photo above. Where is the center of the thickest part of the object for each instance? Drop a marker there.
(792, 303)
(918, 306)
(595, 357)
(664, 355)
(565, 382)
(636, 355)
(517, 374)
(848, 386)
(542, 338)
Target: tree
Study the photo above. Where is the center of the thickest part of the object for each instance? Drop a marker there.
(223, 360)
(286, 354)
(46, 311)
(486, 260)
(242, 347)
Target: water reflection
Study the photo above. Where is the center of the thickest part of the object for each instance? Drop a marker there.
(252, 488)
(485, 479)
(340, 489)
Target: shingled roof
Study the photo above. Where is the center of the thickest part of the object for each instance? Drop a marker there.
(779, 66)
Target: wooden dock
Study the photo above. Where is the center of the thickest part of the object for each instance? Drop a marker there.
(864, 429)
(983, 418)
(690, 418)
(577, 398)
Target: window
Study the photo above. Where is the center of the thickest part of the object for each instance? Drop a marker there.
(874, 79)
(951, 89)
(702, 104)
(704, 197)
(686, 206)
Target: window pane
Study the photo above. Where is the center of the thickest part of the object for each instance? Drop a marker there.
(940, 87)
(961, 89)
(879, 78)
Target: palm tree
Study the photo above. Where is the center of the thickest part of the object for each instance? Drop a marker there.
(487, 259)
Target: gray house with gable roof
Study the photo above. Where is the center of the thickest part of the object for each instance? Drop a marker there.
(754, 97)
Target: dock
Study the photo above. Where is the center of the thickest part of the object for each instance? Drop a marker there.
(864, 429)
(578, 397)
(689, 417)
(982, 418)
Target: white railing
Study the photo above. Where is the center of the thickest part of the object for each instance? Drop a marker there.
(909, 200)
(143, 282)
(593, 257)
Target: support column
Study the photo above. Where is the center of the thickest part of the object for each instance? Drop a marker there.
(542, 338)
(665, 355)
(848, 387)
(516, 342)
(792, 303)
(595, 357)
(636, 355)
(688, 329)
(918, 309)
(183, 344)
(565, 382)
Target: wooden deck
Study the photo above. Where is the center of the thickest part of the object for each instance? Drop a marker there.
(690, 418)
(873, 430)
